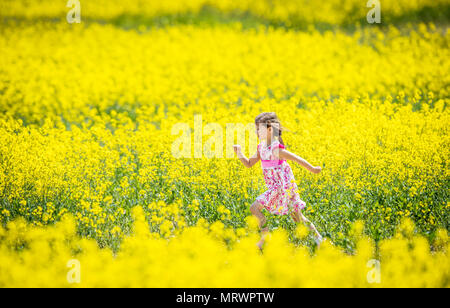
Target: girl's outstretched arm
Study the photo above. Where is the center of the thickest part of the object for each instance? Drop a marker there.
(284, 154)
(248, 162)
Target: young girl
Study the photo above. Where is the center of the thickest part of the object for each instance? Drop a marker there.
(282, 195)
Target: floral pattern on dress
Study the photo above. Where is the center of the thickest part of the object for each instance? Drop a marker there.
(282, 191)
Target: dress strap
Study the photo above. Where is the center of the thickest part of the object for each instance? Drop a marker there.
(277, 144)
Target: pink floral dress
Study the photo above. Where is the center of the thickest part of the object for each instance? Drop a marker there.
(282, 191)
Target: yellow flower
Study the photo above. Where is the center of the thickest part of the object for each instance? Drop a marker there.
(5, 212)
(301, 231)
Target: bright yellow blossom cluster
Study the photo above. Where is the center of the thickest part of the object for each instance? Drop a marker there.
(199, 257)
(290, 12)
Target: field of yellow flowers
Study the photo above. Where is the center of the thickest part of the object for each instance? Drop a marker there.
(91, 193)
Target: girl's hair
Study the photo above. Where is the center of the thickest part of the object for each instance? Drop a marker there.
(271, 119)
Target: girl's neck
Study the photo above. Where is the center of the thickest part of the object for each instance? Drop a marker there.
(270, 140)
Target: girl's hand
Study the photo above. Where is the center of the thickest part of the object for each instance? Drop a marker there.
(316, 169)
(237, 149)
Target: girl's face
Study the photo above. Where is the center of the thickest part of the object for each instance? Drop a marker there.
(262, 131)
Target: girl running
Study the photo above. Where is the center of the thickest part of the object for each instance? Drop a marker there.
(281, 197)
